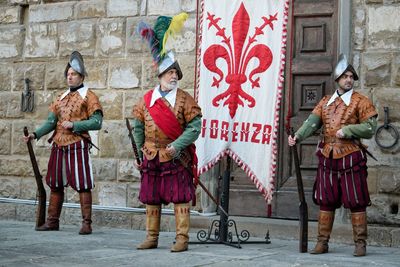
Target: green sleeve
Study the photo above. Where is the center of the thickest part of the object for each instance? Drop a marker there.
(364, 130)
(189, 135)
(138, 134)
(93, 123)
(309, 127)
(48, 126)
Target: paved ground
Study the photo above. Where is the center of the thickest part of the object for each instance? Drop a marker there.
(20, 246)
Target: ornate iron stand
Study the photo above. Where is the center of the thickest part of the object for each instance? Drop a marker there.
(224, 230)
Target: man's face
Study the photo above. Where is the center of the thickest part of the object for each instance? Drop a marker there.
(73, 78)
(346, 81)
(169, 80)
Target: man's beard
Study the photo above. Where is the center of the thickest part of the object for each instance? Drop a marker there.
(171, 85)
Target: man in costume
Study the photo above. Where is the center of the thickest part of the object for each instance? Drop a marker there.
(71, 116)
(346, 117)
(167, 121)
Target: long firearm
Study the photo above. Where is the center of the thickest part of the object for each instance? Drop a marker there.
(41, 208)
(303, 209)
(134, 147)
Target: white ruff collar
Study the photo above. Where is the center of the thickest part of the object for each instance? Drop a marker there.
(82, 91)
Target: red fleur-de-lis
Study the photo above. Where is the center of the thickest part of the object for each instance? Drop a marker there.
(237, 59)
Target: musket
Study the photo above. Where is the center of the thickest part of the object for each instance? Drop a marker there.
(183, 158)
(41, 192)
(134, 147)
(303, 209)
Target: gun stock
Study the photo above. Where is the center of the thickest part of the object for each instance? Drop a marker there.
(41, 192)
(303, 209)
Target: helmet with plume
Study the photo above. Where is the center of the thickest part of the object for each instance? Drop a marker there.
(157, 37)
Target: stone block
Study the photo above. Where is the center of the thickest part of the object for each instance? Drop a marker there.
(124, 74)
(389, 181)
(29, 188)
(5, 77)
(18, 145)
(5, 137)
(12, 166)
(189, 5)
(51, 12)
(91, 9)
(134, 43)
(114, 140)
(185, 41)
(10, 105)
(383, 22)
(132, 97)
(187, 63)
(377, 69)
(396, 71)
(10, 14)
(43, 100)
(11, 41)
(55, 79)
(149, 74)
(395, 238)
(41, 41)
(26, 213)
(383, 209)
(97, 73)
(111, 37)
(72, 196)
(10, 187)
(8, 211)
(72, 216)
(112, 104)
(122, 8)
(112, 219)
(127, 172)
(387, 97)
(373, 177)
(104, 169)
(112, 194)
(379, 236)
(133, 196)
(163, 7)
(77, 35)
(32, 71)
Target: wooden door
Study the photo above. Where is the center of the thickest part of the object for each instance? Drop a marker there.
(311, 57)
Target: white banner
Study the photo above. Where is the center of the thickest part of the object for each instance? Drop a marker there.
(240, 64)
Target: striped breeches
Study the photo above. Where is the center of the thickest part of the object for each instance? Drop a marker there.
(342, 181)
(70, 166)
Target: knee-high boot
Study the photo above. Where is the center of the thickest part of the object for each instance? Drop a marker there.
(325, 224)
(86, 209)
(53, 213)
(182, 221)
(153, 216)
(360, 234)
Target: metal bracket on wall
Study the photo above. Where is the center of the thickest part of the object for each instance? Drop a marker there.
(386, 130)
(27, 98)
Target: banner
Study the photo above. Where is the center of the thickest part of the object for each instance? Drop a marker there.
(239, 80)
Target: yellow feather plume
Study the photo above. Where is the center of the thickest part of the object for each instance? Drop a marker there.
(174, 28)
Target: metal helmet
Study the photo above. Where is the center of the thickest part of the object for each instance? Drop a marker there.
(169, 62)
(76, 63)
(342, 66)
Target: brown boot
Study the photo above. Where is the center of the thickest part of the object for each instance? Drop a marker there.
(153, 216)
(53, 213)
(86, 209)
(359, 222)
(182, 221)
(325, 224)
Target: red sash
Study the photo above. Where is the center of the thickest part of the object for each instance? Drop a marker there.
(165, 119)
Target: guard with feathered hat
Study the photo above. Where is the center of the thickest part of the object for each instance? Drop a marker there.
(167, 121)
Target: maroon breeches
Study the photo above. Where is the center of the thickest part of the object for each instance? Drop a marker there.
(342, 181)
(166, 182)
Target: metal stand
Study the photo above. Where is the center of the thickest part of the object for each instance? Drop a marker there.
(224, 230)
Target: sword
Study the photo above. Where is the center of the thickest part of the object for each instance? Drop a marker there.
(359, 144)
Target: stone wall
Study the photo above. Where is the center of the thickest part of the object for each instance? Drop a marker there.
(36, 39)
(376, 54)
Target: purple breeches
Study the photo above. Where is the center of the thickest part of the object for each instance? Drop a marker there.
(342, 181)
(165, 182)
